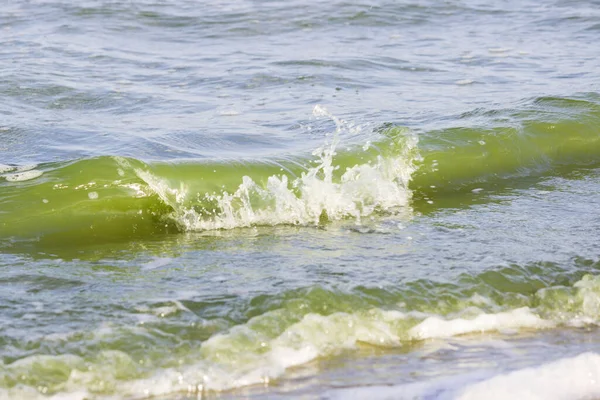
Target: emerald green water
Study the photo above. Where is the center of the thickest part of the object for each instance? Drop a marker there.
(300, 200)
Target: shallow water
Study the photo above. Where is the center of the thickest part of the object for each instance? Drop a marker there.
(282, 200)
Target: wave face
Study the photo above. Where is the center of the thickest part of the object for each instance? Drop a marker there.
(114, 198)
(544, 135)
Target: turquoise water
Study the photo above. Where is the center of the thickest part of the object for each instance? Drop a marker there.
(299, 200)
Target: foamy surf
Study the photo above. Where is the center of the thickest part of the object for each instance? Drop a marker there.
(19, 173)
(569, 378)
(265, 347)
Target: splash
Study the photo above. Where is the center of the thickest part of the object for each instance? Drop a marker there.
(329, 190)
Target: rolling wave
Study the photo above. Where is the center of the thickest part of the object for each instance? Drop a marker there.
(114, 198)
(284, 330)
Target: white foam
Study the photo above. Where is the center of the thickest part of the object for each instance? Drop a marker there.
(26, 167)
(255, 353)
(23, 176)
(498, 50)
(464, 82)
(568, 378)
(362, 189)
(6, 168)
(436, 327)
(379, 185)
(266, 346)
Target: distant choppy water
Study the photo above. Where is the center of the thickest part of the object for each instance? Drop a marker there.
(299, 199)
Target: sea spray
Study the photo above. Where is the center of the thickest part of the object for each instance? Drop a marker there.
(331, 189)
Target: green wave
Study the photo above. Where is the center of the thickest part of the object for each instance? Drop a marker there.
(113, 198)
(271, 333)
(548, 134)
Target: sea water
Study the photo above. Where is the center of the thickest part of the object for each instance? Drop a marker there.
(317, 200)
